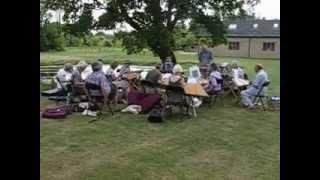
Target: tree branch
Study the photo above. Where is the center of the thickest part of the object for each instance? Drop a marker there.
(169, 14)
(129, 20)
(172, 23)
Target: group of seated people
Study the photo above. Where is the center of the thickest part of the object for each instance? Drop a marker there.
(83, 74)
(248, 91)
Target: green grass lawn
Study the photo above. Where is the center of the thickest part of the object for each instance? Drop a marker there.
(224, 142)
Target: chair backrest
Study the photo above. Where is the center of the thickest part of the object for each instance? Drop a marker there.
(146, 83)
(177, 89)
(66, 89)
(220, 82)
(265, 84)
(245, 76)
(93, 89)
(175, 95)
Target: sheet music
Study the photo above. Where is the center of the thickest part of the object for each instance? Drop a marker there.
(240, 82)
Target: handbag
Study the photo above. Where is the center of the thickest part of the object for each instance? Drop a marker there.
(156, 115)
(59, 112)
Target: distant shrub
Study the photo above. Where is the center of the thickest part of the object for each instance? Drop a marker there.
(107, 44)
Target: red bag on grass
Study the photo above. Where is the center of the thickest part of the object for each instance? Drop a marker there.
(56, 112)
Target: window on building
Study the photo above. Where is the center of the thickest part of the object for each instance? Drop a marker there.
(255, 26)
(275, 25)
(232, 26)
(268, 46)
(234, 45)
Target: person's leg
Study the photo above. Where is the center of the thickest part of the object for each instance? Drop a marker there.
(246, 98)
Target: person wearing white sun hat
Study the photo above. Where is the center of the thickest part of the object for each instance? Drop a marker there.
(177, 77)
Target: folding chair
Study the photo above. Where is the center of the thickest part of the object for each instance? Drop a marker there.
(175, 97)
(259, 96)
(96, 98)
(229, 87)
(62, 95)
(219, 94)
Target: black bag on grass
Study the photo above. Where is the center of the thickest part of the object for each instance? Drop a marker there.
(156, 115)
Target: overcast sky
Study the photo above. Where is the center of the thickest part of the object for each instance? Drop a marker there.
(270, 9)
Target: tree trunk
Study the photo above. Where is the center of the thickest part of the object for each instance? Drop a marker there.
(173, 57)
(165, 52)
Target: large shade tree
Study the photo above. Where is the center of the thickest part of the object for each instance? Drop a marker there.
(154, 21)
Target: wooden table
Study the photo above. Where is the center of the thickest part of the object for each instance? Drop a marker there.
(238, 84)
(191, 90)
(194, 90)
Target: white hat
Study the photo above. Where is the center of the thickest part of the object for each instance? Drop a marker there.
(82, 64)
(177, 69)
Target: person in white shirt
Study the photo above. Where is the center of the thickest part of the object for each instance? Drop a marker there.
(237, 71)
(104, 67)
(77, 74)
(177, 78)
(65, 75)
(87, 71)
(110, 73)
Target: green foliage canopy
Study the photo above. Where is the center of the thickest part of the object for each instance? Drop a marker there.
(154, 21)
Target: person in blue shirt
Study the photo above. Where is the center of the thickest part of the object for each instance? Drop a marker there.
(167, 65)
(248, 94)
(98, 78)
(205, 56)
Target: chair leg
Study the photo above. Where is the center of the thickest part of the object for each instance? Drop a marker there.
(110, 109)
(221, 99)
(214, 100)
(209, 101)
(254, 100)
(263, 106)
(233, 93)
